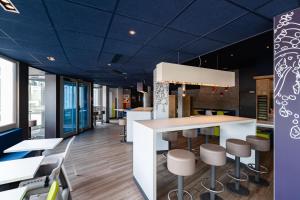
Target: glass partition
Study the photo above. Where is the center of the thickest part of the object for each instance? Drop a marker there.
(70, 104)
(83, 106)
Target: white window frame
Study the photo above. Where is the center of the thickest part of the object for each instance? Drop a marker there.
(15, 97)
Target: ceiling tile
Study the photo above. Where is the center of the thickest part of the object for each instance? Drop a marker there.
(31, 12)
(102, 4)
(154, 11)
(277, 7)
(171, 39)
(202, 46)
(121, 26)
(205, 16)
(177, 57)
(82, 57)
(120, 47)
(72, 39)
(250, 4)
(68, 16)
(28, 32)
(250, 24)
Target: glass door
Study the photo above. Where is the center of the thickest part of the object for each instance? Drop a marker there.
(70, 108)
(84, 110)
(36, 103)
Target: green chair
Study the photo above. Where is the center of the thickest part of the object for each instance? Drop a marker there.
(217, 128)
(53, 192)
(263, 134)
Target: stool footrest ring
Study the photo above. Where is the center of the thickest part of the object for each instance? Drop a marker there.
(264, 170)
(164, 154)
(184, 192)
(243, 176)
(206, 186)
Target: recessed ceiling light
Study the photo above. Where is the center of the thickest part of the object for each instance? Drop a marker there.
(51, 58)
(131, 32)
(231, 55)
(267, 46)
(124, 73)
(8, 6)
(108, 64)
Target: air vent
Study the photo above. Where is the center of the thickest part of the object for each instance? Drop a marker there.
(116, 58)
(8, 6)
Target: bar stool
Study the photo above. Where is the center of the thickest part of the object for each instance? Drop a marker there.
(238, 148)
(122, 122)
(213, 155)
(181, 163)
(259, 144)
(31, 123)
(171, 137)
(190, 134)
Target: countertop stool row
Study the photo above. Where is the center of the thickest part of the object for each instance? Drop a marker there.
(182, 163)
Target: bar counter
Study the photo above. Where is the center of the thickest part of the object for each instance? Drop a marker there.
(147, 140)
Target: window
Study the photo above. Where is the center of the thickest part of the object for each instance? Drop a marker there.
(7, 94)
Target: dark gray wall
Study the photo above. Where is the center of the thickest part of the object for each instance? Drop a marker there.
(23, 98)
(256, 67)
(52, 115)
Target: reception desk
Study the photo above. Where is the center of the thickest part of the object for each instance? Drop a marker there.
(139, 113)
(147, 140)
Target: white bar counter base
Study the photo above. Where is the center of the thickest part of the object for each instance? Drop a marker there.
(139, 113)
(147, 140)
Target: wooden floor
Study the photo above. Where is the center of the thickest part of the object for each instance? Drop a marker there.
(104, 166)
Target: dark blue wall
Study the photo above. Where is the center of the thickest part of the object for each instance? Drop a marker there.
(255, 67)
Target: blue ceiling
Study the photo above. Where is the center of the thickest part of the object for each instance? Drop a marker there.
(85, 35)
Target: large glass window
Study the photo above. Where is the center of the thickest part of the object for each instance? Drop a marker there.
(7, 94)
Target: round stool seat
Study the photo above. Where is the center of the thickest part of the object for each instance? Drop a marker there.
(122, 122)
(237, 147)
(213, 154)
(258, 143)
(191, 133)
(181, 162)
(170, 136)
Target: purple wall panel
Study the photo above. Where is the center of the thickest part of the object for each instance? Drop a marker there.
(287, 105)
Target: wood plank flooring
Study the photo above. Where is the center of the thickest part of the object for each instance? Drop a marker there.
(104, 166)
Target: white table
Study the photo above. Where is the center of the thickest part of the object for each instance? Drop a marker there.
(147, 140)
(13, 194)
(20, 169)
(265, 124)
(35, 145)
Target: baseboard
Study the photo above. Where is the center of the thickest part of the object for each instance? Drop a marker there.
(140, 188)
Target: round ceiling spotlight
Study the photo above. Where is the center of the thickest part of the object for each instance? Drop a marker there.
(51, 58)
(131, 32)
(231, 55)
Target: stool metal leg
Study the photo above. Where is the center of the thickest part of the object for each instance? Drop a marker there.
(256, 178)
(237, 172)
(211, 195)
(212, 182)
(235, 186)
(206, 139)
(189, 141)
(180, 188)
